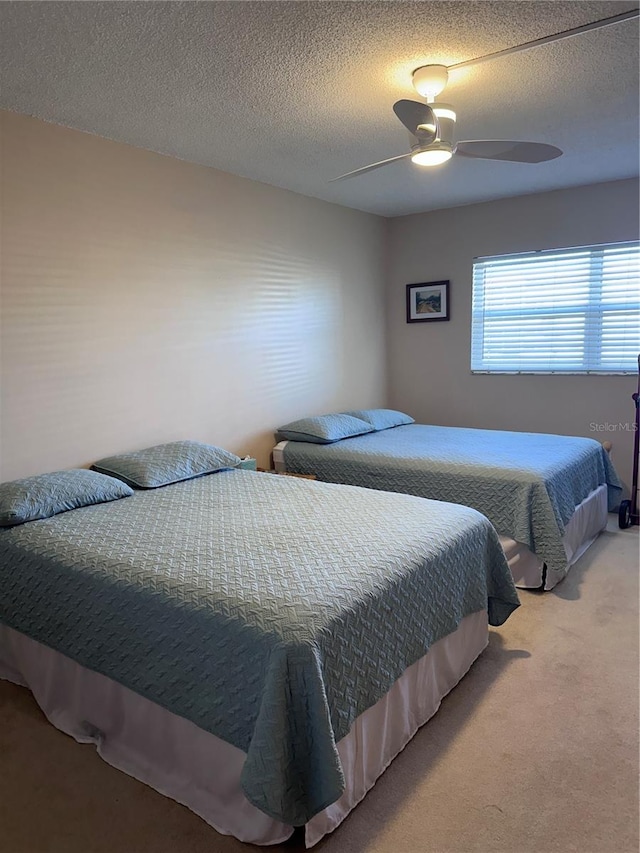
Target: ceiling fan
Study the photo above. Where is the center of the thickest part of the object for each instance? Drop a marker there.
(432, 127)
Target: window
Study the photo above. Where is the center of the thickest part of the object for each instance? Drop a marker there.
(562, 311)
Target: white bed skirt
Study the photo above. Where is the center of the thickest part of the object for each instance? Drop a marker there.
(582, 529)
(527, 569)
(201, 771)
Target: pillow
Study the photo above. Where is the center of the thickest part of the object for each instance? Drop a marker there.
(323, 429)
(166, 463)
(48, 494)
(382, 418)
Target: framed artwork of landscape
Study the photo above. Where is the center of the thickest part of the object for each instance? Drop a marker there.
(427, 301)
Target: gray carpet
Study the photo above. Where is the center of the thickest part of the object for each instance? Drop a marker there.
(535, 751)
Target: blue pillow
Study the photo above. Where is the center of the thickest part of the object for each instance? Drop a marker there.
(48, 494)
(166, 463)
(382, 418)
(323, 429)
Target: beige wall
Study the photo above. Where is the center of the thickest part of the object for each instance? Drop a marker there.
(429, 373)
(144, 299)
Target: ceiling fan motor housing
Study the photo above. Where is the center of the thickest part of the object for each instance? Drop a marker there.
(446, 121)
(443, 143)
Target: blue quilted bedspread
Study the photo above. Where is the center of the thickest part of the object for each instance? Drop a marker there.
(527, 484)
(270, 611)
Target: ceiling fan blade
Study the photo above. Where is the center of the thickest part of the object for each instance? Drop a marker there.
(370, 167)
(499, 149)
(583, 28)
(419, 119)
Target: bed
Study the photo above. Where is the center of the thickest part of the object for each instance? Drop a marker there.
(257, 647)
(548, 496)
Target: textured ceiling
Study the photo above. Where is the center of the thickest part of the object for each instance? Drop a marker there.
(293, 94)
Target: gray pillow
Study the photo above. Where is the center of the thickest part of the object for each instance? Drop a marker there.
(323, 429)
(382, 418)
(45, 495)
(166, 463)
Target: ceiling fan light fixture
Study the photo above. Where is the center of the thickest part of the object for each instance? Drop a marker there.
(430, 80)
(431, 156)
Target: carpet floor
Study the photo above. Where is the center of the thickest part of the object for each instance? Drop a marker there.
(535, 751)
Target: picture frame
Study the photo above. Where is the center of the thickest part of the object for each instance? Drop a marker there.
(427, 302)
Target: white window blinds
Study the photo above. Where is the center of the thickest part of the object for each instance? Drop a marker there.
(562, 311)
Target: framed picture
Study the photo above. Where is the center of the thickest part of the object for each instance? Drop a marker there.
(427, 301)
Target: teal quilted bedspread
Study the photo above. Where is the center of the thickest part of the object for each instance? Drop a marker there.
(270, 611)
(527, 484)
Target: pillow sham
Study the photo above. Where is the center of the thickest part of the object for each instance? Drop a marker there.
(382, 418)
(45, 495)
(165, 464)
(323, 429)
